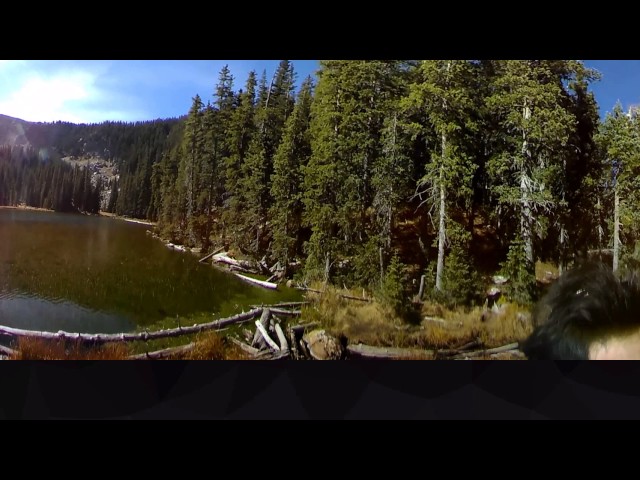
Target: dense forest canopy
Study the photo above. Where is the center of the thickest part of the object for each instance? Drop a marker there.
(448, 167)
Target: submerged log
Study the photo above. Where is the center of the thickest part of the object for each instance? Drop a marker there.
(272, 286)
(100, 338)
(382, 353)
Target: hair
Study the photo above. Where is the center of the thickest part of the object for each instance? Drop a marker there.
(586, 304)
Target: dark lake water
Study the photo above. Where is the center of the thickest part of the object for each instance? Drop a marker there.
(101, 275)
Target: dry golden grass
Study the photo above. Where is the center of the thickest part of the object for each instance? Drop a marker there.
(545, 272)
(376, 325)
(213, 346)
(39, 349)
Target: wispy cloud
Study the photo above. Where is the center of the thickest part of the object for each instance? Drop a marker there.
(45, 92)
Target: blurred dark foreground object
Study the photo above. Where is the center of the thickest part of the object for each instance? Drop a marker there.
(589, 313)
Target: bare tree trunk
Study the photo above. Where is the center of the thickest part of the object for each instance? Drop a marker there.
(616, 230)
(526, 223)
(442, 210)
(562, 249)
(327, 268)
(381, 266)
(441, 225)
(421, 291)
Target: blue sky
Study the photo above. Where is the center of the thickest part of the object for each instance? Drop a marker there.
(86, 91)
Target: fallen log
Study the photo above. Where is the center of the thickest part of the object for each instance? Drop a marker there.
(262, 264)
(234, 268)
(164, 353)
(247, 348)
(284, 346)
(223, 258)
(306, 289)
(381, 353)
(460, 350)
(304, 349)
(279, 356)
(478, 353)
(281, 305)
(211, 254)
(286, 313)
(348, 297)
(266, 336)
(264, 320)
(272, 286)
(7, 352)
(301, 327)
(294, 342)
(100, 338)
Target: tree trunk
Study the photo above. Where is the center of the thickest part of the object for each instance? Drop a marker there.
(441, 225)
(526, 222)
(616, 230)
(442, 210)
(421, 291)
(562, 250)
(327, 268)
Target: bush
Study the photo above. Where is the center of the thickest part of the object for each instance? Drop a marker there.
(392, 291)
(461, 283)
(521, 284)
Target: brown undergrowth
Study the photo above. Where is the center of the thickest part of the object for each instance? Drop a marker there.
(432, 326)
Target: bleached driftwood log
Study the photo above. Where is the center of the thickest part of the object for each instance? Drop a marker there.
(99, 338)
(284, 346)
(265, 335)
(272, 286)
(380, 353)
(264, 320)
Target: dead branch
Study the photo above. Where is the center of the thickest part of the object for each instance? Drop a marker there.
(247, 348)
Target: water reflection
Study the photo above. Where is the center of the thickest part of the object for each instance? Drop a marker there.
(96, 274)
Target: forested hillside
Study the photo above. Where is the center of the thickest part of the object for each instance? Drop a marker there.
(445, 167)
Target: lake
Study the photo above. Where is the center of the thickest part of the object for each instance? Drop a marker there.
(94, 274)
